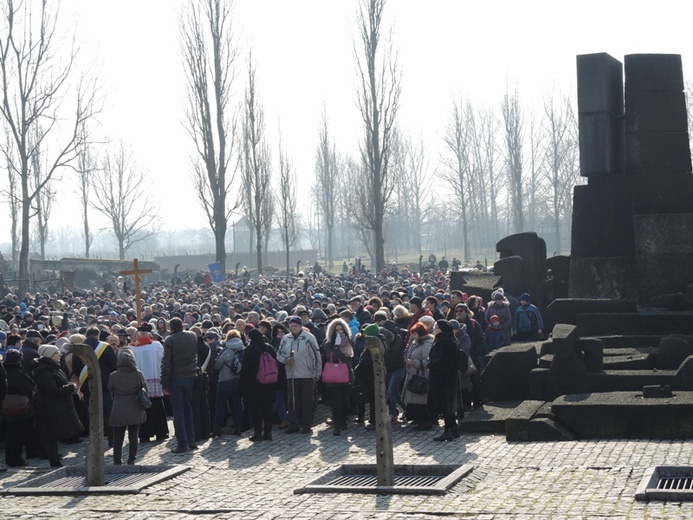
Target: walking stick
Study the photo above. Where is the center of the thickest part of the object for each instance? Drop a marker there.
(293, 386)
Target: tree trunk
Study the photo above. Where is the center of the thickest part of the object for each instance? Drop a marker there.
(220, 239)
(258, 248)
(330, 257)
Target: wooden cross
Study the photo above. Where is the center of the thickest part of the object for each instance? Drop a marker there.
(136, 273)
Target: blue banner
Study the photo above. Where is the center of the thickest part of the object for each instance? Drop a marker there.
(215, 272)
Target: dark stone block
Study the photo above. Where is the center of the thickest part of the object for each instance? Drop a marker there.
(671, 193)
(566, 310)
(457, 281)
(628, 341)
(603, 278)
(602, 220)
(517, 424)
(538, 378)
(629, 362)
(506, 376)
(672, 302)
(653, 72)
(650, 111)
(651, 352)
(543, 429)
(673, 350)
(631, 380)
(564, 338)
(599, 83)
(532, 249)
(604, 324)
(600, 140)
(545, 361)
(659, 274)
(684, 375)
(567, 376)
(661, 152)
(489, 418)
(625, 415)
(665, 323)
(593, 352)
(550, 290)
(656, 391)
(664, 234)
(559, 267)
(547, 347)
(511, 271)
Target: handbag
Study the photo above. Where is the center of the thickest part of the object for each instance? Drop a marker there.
(142, 397)
(471, 368)
(418, 384)
(335, 373)
(15, 405)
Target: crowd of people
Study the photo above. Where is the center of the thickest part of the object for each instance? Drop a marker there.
(247, 354)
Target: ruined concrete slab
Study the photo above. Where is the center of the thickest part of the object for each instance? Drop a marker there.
(506, 376)
(545, 429)
(626, 415)
(489, 418)
(517, 424)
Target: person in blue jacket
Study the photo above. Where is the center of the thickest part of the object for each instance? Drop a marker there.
(528, 325)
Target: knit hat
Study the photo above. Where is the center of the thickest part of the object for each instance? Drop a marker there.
(416, 301)
(31, 333)
(427, 320)
(77, 339)
(256, 335)
(372, 330)
(526, 297)
(13, 356)
(295, 319)
(47, 350)
(455, 324)
(494, 320)
(445, 326)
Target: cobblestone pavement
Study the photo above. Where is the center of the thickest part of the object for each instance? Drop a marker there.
(232, 477)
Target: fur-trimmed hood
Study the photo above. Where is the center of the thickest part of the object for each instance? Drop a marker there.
(332, 325)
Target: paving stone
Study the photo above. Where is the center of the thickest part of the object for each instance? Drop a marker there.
(548, 480)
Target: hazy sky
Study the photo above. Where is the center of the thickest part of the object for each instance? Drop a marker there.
(303, 53)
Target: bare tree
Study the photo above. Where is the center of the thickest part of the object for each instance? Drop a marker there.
(489, 124)
(561, 158)
(36, 67)
(287, 214)
(513, 119)
(326, 179)
(378, 102)
(534, 188)
(120, 194)
(256, 165)
(85, 169)
(12, 197)
(209, 56)
(416, 183)
(43, 201)
(458, 167)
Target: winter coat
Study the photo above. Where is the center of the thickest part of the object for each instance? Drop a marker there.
(224, 360)
(56, 418)
(495, 339)
(180, 357)
(306, 354)
(18, 383)
(418, 351)
(253, 391)
(344, 352)
(477, 347)
(502, 310)
(107, 361)
(443, 381)
(124, 384)
(394, 355)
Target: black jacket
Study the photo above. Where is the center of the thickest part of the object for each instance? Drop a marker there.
(56, 418)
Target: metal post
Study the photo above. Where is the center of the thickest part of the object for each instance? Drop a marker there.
(96, 470)
(384, 458)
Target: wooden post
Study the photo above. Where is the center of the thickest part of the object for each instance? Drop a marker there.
(384, 458)
(136, 273)
(96, 470)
